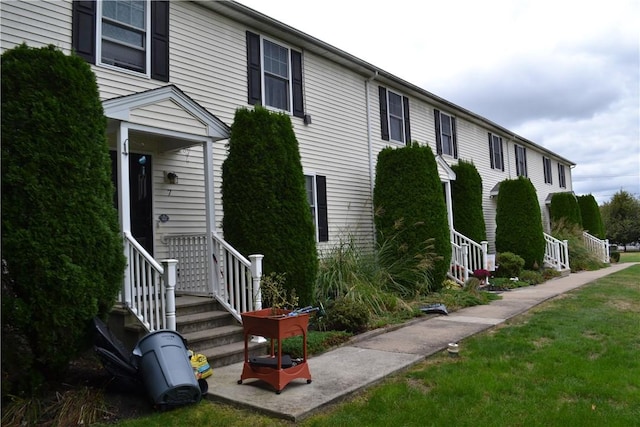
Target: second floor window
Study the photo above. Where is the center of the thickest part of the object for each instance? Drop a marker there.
(546, 164)
(521, 161)
(446, 141)
(495, 152)
(275, 75)
(124, 35)
(394, 116)
(562, 179)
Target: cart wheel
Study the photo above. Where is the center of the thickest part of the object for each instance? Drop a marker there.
(278, 391)
(239, 381)
(309, 381)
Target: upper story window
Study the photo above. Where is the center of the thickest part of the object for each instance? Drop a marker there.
(124, 34)
(316, 186)
(496, 155)
(394, 116)
(562, 179)
(521, 161)
(275, 75)
(131, 35)
(546, 164)
(446, 140)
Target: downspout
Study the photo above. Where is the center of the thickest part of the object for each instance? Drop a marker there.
(370, 148)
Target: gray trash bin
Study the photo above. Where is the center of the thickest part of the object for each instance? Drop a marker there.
(166, 370)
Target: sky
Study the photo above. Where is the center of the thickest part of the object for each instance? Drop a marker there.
(564, 74)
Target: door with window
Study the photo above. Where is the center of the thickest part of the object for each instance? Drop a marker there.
(140, 197)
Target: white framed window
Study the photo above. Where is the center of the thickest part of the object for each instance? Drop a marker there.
(276, 72)
(396, 117)
(446, 142)
(496, 156)
(316, 189)
(562, 179)
(123, 38)
(521, 160)
(546, 164)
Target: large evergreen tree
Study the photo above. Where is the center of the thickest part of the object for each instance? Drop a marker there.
(264, 199)
(564, 207)
(591, 217)
(622, 218)
(519, 221)
(466, 195)
(60, 240)
(408, 191)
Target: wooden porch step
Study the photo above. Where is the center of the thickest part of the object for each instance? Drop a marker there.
(204, 321)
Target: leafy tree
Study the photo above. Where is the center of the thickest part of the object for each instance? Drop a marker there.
(591, 217)
(519, 221)
(408, 197)
(621, 218)
(466, 195)
(264, 199)
(564, 206)
(63, 253)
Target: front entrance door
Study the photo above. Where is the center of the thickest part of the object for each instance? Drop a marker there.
(140, 196)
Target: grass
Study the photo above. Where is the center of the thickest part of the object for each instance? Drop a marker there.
(630, 256)
(571, 361)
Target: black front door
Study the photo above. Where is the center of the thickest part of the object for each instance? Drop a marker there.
(140, 196)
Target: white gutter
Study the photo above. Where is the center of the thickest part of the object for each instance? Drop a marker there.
(367, 84)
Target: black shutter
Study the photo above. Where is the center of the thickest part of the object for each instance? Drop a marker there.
(384, 120)
(321, 197)
(296, 80)
(83, 35)
(160, 40)
(454, 138)
(436, 120)
(501, 154)
(407, 127)
(491, 152)
(254, 77)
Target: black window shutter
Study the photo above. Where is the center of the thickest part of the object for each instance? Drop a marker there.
(160, 40)
(83, 35)
(296, 71)
(491, 152)
(384, 122)
(501, 154)
(436, 120)
(321, 195)
(254, 78)
(407, 126)
(454, 138)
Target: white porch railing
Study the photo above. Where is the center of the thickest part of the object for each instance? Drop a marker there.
(600, 248)
(556, 252)
(149, 288)
(235, 281)
(467, 256)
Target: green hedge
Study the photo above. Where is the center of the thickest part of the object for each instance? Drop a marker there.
(564, 207)
(519, 221)
(60, 233)
(591, 217)
(466, 195)
(408, 191)
(264, 199)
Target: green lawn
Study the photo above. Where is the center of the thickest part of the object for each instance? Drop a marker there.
(630, 256)
(570, 362)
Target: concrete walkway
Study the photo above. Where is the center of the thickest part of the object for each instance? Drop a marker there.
(372, 356)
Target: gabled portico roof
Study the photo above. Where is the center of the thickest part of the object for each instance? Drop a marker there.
(124, 108)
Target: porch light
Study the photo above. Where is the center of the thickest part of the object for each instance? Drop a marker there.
(171, 178)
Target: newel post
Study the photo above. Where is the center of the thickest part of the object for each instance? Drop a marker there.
(465, 261)
(170, 280)
(256, 275)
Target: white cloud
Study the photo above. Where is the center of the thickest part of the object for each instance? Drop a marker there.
(562, 73)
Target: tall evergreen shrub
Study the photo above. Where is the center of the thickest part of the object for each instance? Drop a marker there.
(408, 191)
(60, 239)
(591, 217)
(564, 206)
(519, 221)
(466, 196)
(264, 199)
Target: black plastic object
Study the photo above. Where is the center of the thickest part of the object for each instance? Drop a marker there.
(112, 353)
(435, 308)
(271, 362)
(166, 370)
